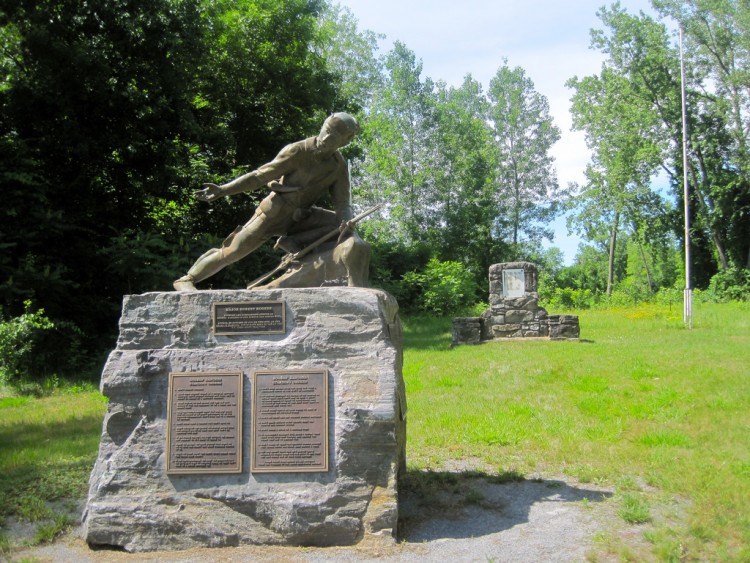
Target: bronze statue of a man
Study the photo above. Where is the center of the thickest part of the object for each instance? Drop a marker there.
(299, 175)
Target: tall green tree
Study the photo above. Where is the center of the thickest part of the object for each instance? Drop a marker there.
(261, 79)
(622, 134)
(113, 112)
(399, 164)
(717, 38)
(526, 178)
(465, 182)
(643, 68)
(91, 106)
(351, 55)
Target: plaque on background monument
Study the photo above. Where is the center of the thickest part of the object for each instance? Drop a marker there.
(204, 423)
(514, 283)
(249, 317)
(290, 421)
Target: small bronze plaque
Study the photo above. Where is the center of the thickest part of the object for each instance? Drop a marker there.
(290, 421)
(249, 317)
(204, 423)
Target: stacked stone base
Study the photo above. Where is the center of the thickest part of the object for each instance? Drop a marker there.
(517, 317)
(467, 330)
(561, 327)
(474, 330)
(514, 316)
(353, 333)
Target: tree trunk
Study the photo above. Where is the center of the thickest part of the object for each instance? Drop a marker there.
(707, 207)
(516, 207)
(612, 247)
(723, 262)
(645, 265)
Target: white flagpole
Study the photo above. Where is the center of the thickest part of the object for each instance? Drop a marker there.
(688, 293)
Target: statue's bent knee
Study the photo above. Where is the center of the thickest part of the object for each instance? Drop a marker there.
(354, 254)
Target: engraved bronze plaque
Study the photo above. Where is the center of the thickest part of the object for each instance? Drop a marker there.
(204, 423)
(249, 317)
(290, 421)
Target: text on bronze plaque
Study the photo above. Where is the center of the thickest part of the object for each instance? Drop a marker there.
(204, 422)
(249, 317)
(290, 421)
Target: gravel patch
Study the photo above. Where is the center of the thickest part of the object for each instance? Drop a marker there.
(459, 517)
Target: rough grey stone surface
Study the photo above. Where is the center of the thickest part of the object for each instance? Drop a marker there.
(467, 330)
(516, 317)
(563, 327)
(355, 333)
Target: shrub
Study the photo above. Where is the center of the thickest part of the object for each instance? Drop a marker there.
(669, 296)
(732, 284)
(18, 338)
(546, 287)
(389, 263)
(632, 291)
(443, 288)
(569, 298)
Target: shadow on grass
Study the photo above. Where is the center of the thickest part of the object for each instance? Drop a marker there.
(440, 504)
(427, 333)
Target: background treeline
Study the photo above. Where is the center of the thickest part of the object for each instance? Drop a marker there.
(113, 111)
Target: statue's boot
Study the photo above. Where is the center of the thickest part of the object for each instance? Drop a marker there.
(205, 267)
(210, 263)
(185, 283)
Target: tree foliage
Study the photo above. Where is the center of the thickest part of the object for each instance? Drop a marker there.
(466, 172)
(717, 37)
(524, 134)
(627, 146)
(18, 337)
(351, 56)
(638, 91)
(469, 206)
(113, 112)
(443, 287)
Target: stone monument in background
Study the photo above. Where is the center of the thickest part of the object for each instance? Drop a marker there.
(514, 310)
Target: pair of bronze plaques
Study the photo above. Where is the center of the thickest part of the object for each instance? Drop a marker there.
(289, 429)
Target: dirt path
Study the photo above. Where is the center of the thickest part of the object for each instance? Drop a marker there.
(469, 518)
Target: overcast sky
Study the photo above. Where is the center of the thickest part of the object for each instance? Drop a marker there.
(549, 39)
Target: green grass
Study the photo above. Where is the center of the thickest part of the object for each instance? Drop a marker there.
(634, 509)
(641, 404)
(47, 450)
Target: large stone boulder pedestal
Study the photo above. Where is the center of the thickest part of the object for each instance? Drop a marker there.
(353, 333)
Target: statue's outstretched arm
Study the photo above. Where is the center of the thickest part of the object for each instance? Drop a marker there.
(210, 192)
(282, 164)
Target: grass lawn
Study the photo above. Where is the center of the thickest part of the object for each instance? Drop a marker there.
(642, 405)
(47, 450)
